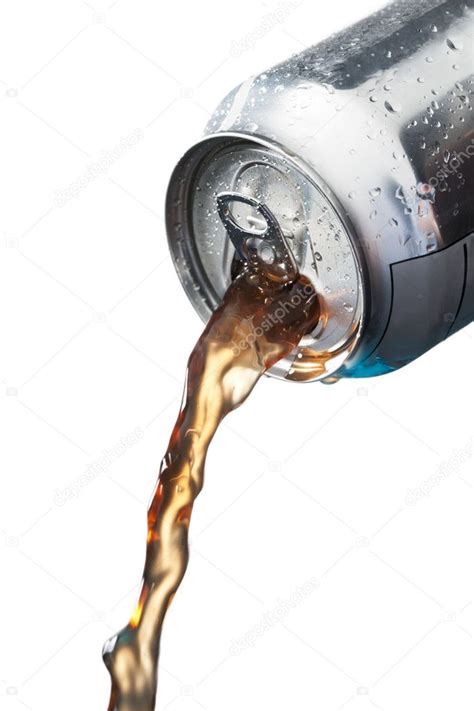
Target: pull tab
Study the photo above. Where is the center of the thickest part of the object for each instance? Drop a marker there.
(268, 247)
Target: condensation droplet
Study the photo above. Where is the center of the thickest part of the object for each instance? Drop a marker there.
(455, 44)
(375, 192)
(393, 107)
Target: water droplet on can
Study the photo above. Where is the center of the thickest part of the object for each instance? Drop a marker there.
(455, 43)
(393, 107)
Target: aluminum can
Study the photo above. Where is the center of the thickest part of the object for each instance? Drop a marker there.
(363, 149)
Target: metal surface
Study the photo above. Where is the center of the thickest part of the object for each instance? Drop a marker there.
(362, 148)
(267, 244)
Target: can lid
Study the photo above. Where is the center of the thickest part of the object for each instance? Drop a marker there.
(313, 227)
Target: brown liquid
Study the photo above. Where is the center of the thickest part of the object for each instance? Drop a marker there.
(258, 323)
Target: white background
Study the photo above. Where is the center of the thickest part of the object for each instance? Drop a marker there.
(306, 482)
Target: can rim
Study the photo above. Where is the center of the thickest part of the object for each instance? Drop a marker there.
(179, 185)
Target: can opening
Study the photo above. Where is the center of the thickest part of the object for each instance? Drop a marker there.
(312, 225)
(268, 246)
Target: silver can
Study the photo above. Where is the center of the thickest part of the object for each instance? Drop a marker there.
(362, 147)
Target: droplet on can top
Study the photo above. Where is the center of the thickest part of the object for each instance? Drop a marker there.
(400, 193)
(455, 43)
(393, 107)
(375, 192)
